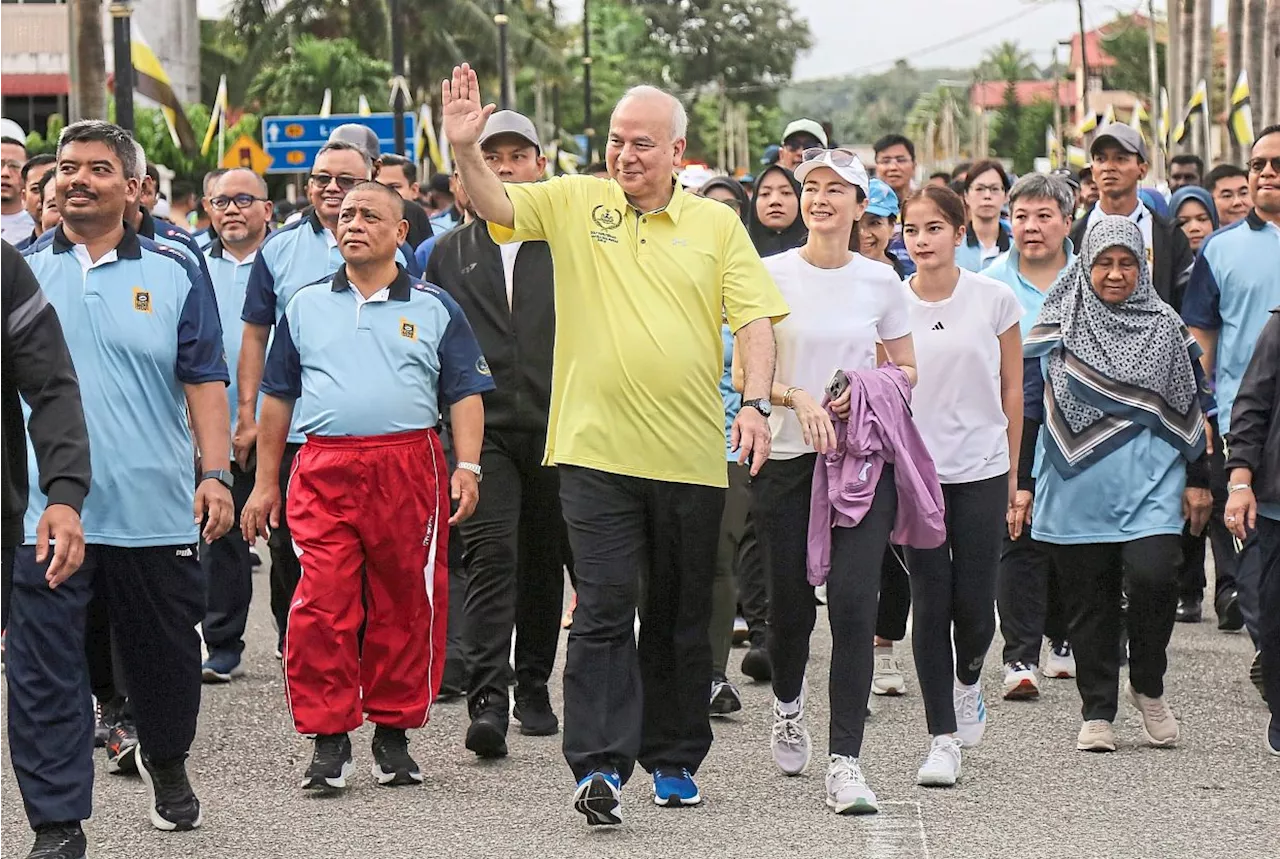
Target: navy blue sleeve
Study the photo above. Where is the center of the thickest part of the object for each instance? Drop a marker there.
(260, 293)
(463, 369)
(1033, 389)
(201, 354)
(282, 375)
(423, 253)
(1200, 304)
(407, 258)
(193, 250)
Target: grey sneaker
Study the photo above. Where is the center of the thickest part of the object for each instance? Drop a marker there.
(1158, 722)
(1096, 735)
(790, 739)
(886, 678)
(847, 791)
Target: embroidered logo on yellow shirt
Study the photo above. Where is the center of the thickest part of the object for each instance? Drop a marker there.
(141, 300)
(608, 219)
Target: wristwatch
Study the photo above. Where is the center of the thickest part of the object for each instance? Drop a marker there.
(473, 468)
(763, 406)
(226, 478)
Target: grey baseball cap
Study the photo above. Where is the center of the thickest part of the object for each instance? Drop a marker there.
(358, 135)
(510, 122)
(1126, 137)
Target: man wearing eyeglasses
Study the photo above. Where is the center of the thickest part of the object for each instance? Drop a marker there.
(1233, 286)
(297, 254)
(237, 203)
(896, 167)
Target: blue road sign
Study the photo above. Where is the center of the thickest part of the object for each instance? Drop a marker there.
(293, 141)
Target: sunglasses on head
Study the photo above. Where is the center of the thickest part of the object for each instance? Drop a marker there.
(836, 157)
(1257, 165)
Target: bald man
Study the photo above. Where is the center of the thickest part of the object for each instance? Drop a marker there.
(368, 357)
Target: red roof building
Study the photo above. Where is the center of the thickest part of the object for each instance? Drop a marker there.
(989, 95)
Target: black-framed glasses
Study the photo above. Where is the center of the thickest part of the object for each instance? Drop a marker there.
(836, 157)
(242, 201)
(345, 183)
(1257, 165)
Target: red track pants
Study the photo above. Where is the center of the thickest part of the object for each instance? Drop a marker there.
(369, 517)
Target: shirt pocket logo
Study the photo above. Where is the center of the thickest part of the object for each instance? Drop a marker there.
(141, 300)
(408, 330)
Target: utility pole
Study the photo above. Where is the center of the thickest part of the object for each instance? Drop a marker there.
(504, 90)
(1235, 62)
(121, 42)
(587, 130)
(1084, 66)
(1271, 66)
(1204, 67)
(89, 62)
(555, 127)
(397, 70)
(1154, 70)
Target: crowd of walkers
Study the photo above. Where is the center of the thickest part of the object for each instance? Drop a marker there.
(982, 399)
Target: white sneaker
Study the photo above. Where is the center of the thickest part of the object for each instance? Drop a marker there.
(1020, 682)
(820, 594)
(790, 739)
(971, 713)
(1158, 722)
(847, 791)
(887, 678)
(942, 767)
(1061, 663)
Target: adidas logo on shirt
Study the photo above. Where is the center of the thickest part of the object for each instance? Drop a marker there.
(937, 326)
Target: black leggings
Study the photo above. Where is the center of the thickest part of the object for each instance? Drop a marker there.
(1093, 577)
(953, 590)
(781, 513)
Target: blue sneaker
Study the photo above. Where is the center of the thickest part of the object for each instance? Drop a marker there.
(220, 667)
(675, 788)
(599, 798)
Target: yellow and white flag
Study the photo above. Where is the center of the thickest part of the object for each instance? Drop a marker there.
(1109, 115)
(364, 109)
(326, 106)
(1088, 124)
(1164, 118)
(428, 146)
(217, 117)
(1139, 118)
(1197, 106)
(1052, 148)
(154, 83)
(1240, 119)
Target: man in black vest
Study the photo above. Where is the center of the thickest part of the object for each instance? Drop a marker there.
(515, 541)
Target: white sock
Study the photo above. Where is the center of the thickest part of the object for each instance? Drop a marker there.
(789, 708)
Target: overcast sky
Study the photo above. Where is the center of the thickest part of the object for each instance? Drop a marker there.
(866, 36)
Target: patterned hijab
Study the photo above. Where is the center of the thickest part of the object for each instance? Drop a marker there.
(1114, 369)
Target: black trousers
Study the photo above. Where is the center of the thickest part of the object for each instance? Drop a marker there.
(740, 577)
(285, 569)
(514, 569)
(1268, 549)
(646, 701)
(1093, 577)
(895, 595)
(782, 491)
(953, 589)
(155, 597)
(1191, 572)
(1027, 594)
(229, 572)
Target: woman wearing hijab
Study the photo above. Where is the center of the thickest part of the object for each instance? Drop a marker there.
(727, 190)
(1114, 377)
(773, 219)
(1194, 211)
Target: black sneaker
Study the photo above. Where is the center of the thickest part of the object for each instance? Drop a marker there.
(453, 683)
(101, 730)
(59, 841)
(122, 745)
(392, 765)
(173, 805)
(330, 763)
(533, 712)
(1255, 675)
(756, 663)
(487, 734)
(1189, 609)
(724, 697)
(1230, 618)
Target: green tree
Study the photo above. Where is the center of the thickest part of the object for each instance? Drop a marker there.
(1127, 42)
(1005, 126)
(296, 82)
(1006, 62)
(1030, 145)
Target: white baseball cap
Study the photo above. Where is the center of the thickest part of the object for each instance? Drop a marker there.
(806, 126)
(10, 130)
(845, 164)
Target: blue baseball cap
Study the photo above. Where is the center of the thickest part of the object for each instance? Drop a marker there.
(770, 154)
(881, 200)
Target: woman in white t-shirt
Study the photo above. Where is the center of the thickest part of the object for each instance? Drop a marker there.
(841, 304)
(968, 408)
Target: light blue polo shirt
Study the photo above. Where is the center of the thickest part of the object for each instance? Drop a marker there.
(373, 367)
(1234, 284)
(140, 323)
(732, 399)
(1005, 270)
(972, 257)
(230, 280)
(164, 233)
(295, 255)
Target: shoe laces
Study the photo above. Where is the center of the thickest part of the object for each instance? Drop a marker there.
(1097, 726)
(788, 728)
(966, 702)
(681, 774)
(392, 744)
(1062, 649)
(330, 749)
(942, 751)
(1019, 666)
(887, 664)
(1153, 709)
(844, 772)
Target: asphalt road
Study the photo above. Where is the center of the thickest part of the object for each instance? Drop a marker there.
(1026, 792)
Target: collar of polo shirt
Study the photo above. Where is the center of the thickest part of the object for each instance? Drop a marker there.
(129, 248)
(671, 210)
(1255, 222)
(399, 288)
(314, 220)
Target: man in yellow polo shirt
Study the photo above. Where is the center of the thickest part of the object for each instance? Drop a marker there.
(644, 273)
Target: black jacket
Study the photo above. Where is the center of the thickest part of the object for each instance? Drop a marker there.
(1171, 256)
(1254, 440)
(37, 368)
(517, 342)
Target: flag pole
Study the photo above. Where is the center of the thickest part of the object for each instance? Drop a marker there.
(222, 119)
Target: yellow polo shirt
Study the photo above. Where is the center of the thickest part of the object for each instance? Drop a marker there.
(639, 302)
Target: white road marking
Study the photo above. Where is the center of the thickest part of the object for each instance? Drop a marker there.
(898, 834)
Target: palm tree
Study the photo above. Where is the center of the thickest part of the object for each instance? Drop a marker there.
(297, 81)
(1006, 62)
